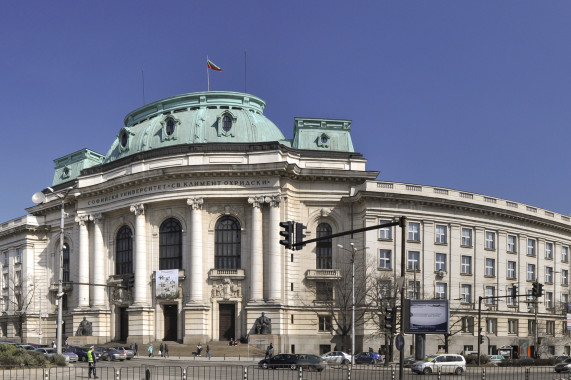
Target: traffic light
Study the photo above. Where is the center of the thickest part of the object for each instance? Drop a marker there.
(534, 289)
(514, 293)
(390, 319)
(299, 235)
(481, 339)
(539, 290)
(287, 234)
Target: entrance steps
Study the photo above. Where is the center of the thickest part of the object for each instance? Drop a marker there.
(217, 349)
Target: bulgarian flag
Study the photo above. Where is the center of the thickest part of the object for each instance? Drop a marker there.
(212, 66)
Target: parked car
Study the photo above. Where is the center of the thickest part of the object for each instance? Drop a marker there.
(293, 361)
(495, 359)
(409, 361)
(564, 366)
(368, 358)
(26, 347)
(112, 354)
(49, 352)
(130, 354)
(80, 352)
(336, 357)
(444, 363)
(561, 357)
(72, 356)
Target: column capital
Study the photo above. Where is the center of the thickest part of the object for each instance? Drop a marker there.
(138, 209)
(97, 218)
(195, 203)
(83, 219)
(273, 200)
(256, 202)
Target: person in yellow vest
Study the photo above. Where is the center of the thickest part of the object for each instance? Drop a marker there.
(91, 360)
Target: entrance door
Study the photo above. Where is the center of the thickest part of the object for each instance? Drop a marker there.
(171, 318)
(227, 320)
(123, 324)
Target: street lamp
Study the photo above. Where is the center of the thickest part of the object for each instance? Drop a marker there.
(353, 251)
(39, 198)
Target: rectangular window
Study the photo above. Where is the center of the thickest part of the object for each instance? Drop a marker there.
(564, 299)
(414, 231)
(466, 237)
(490, 267)
(325, 323)
(466, 265)
(511, 270)
(441, 232)
(5, 280)
(548, 275)
(17, 278)
(385, 259)
(6, 257)
(512, 247)
(385, 233)
(549, 300)
(564, 277)
(490, 292)
(18, 257)
(511, 301)
(490, 240)
(466, 293)
(468, 324)
(441, 290)
(413, 257)
(6, 303)
(550, 327)
(565, 254)
(323, 291)
(413, 291)
(512, 326)
(548, 250)
(530, 272)
(530, 298)
(530, 247)
(468, 347)
(531, 327)
(491, 325)
(440, 262)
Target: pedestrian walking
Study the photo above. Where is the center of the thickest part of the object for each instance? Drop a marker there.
(136, 349)
(208, 351)
(150, 349)
(166, 351)
(161, 350)
(91, 360)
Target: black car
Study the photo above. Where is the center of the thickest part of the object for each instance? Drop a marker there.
(368, 358)
(293, 361)
(81, 353)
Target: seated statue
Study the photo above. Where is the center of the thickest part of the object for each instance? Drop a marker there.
(84, 328)
(263, 325)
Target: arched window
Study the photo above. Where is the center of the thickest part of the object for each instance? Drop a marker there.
(170, 245)
(170, 126)
(65, 262)
(227, 241)
(323, 248)
(124, 251)
(226, 123)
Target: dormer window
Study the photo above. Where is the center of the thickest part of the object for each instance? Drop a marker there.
(323, 141)
(124, 139)
(170, 127)
(226, 123)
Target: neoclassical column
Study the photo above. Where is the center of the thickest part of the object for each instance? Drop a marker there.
(256, 255)
(196, 275)
(141, 274)
(83, 288)
(98, 260)
(275, 262)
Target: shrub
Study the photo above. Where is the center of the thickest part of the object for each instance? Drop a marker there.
(58, 360)
(473, 359)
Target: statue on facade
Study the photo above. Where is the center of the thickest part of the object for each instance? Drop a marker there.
(84, 328)
(263, 325)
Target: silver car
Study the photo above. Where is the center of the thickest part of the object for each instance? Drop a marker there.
(336, 357)
(130, 354)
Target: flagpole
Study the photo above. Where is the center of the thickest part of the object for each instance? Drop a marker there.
(207, 73)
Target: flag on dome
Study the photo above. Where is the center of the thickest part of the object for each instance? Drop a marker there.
(212, 66)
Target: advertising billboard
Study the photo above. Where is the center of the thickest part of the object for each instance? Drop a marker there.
(427, 317)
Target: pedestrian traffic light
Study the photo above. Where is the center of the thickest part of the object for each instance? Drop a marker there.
(539, 290)
(390, 319)
(299, 235)
(534, 289)
(287, 234)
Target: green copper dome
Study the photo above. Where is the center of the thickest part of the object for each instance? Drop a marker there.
(201, 117)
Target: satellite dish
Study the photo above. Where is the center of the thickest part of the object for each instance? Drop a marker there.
(38, 198)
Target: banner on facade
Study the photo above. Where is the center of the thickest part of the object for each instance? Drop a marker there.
(568, 321)
(166, 283)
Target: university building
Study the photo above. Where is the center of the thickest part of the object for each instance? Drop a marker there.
(190, 195)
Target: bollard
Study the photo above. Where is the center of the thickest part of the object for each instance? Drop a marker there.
(184, 374)
(527, 373)
(349, 371)
(245, 373)
(46, 374)
(439, 373)
(300, 373)
(393, 372)
(117, 374)
(483, 374)
(147, 374)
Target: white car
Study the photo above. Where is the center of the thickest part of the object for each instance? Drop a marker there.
(336, 357)
(444, 363)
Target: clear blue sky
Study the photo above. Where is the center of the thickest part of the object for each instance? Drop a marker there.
(468, 95)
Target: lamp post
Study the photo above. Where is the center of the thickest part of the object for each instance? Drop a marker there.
(353, 251)
(39, 198)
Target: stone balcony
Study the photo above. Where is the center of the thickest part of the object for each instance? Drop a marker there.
(220, 274)
(323, 274)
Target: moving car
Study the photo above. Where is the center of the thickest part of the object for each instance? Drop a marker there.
(444, 363)
(130, 354)
(112, 354)
(564, 366)
(293, 361)
(368, 358)
(336, 357)
(495, 359)
(409, 361)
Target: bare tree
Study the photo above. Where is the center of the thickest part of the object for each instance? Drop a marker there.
(21, 295)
